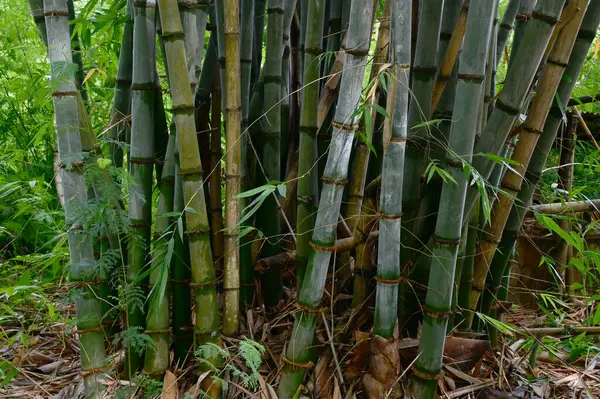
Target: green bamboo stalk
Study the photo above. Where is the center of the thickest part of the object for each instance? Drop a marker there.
(465, 316)
(201, 21)
(119, 132)
(533, 127)
(334, 179)
(471, 75)
(183, 330)
(158, 320)
(246, 59)
(505, 27)
(234, 166)
(307, 182)
(335, 32)
(524, 65)
(220, 20)
(83, 271)
(427, 211)
(187, 13)
(460, 262)
(268, 217)
(37, 12)
(76, 50)
(523, 17)
(424, 73)
(202, 101)
(388, 263)
(142, 162)
(257, 40)
(585, 37)
(197, 227)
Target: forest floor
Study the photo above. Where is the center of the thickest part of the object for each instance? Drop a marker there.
(40, 356)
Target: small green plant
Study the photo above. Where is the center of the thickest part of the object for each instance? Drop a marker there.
(243, 364)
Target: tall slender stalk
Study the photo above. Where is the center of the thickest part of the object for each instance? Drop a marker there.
(505, 27)
(471, 75)
(158, 318)
(234, 166)
(246, 59)
(183, 330)
(119, 132)
(585, 37)
(82, 265)
(533, 128)
(334, 179)
(197, 228)
(257, 40)
(388, 264)
(524, 65)
(37, 12)
(142, 163)
(424, 72)
(268, 218)
(307, 158)
(523, 17)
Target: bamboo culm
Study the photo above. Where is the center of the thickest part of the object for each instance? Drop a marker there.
(82, 264)
(471, 75)
(334, 179)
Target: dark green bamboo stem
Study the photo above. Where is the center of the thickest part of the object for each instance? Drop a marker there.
(119, 132)
(471, 75)
(142, 163)
(183, 330)
(257, 40)
(307, 182)
(334, 179)
(524, 65)
(158, 319)
(424, 73)
(388, 262)
(505, 27)
(246, 59)
(82, 265)
(197, 226)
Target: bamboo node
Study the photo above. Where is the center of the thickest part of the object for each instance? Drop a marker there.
(56, 13)
(198, 232)
(557, 63)
(306, 309)
(92, 371)
(277, 10)
(507, 108)
(188, 4)
(156, 332)
(390, 217)
(174, 281)
(313, 50)
(588, 35)
(471, 77)
(64, 94)
(523, 17)
(505, 26)
(549, 19)
(322, 248)
(358, 52)
(143, 86)
(306, 366)
(437, 315)
(491, 238)
(142, 161)
(237, 108)
(334, 182)
(343, 126)
(183, 109)
(427, 377)
(445, 242)
(203, 285)
(140, 225)
(90, 330)
(398, 139)
(422, 70)
(389, 282)
(172, 36)
(191, 172)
